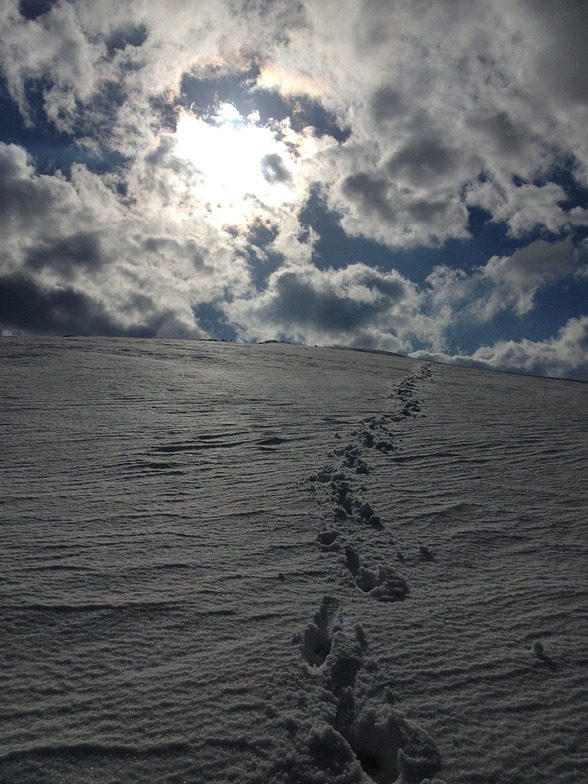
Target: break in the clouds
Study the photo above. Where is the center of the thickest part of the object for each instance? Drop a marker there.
(396, 175)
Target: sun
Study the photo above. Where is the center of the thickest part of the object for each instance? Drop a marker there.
(245, 168)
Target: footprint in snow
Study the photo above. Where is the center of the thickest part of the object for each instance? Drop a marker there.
(352, 559)
(315, 642)
(384, 585)
(389, 749)
(327, 539)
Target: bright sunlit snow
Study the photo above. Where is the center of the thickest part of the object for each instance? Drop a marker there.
(282, 565)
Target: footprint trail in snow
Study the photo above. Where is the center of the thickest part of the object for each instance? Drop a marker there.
(364, 729)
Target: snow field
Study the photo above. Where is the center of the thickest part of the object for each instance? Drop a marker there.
(225, 563)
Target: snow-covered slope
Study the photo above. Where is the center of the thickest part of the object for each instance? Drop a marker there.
(274, 564)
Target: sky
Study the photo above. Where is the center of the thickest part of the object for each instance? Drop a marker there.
(403, 175)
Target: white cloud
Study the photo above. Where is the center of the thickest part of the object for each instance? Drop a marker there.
(564, 356)
(53, 47)
(442, 103)
(503, 283)
(514, 280)
(526, 207)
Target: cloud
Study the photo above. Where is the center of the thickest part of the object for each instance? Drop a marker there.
(563, 356)
(563, 64)
(422, 161)
(370, 194)
(274, 170)
(432, 98)
(361, 305)
(514, 280)
(503, 283)
(505, 136)
(443, 117)
(26, 306)
(525, 207)
(82, 249)
(25, 199)
(52, 48)
(374, 204)
(355, 305)
(75, 236)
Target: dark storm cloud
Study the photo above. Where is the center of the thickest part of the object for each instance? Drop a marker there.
(274, 169)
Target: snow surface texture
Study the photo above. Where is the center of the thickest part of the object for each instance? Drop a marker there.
(274, 564)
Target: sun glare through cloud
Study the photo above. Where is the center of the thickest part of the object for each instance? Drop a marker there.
(245, 168)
